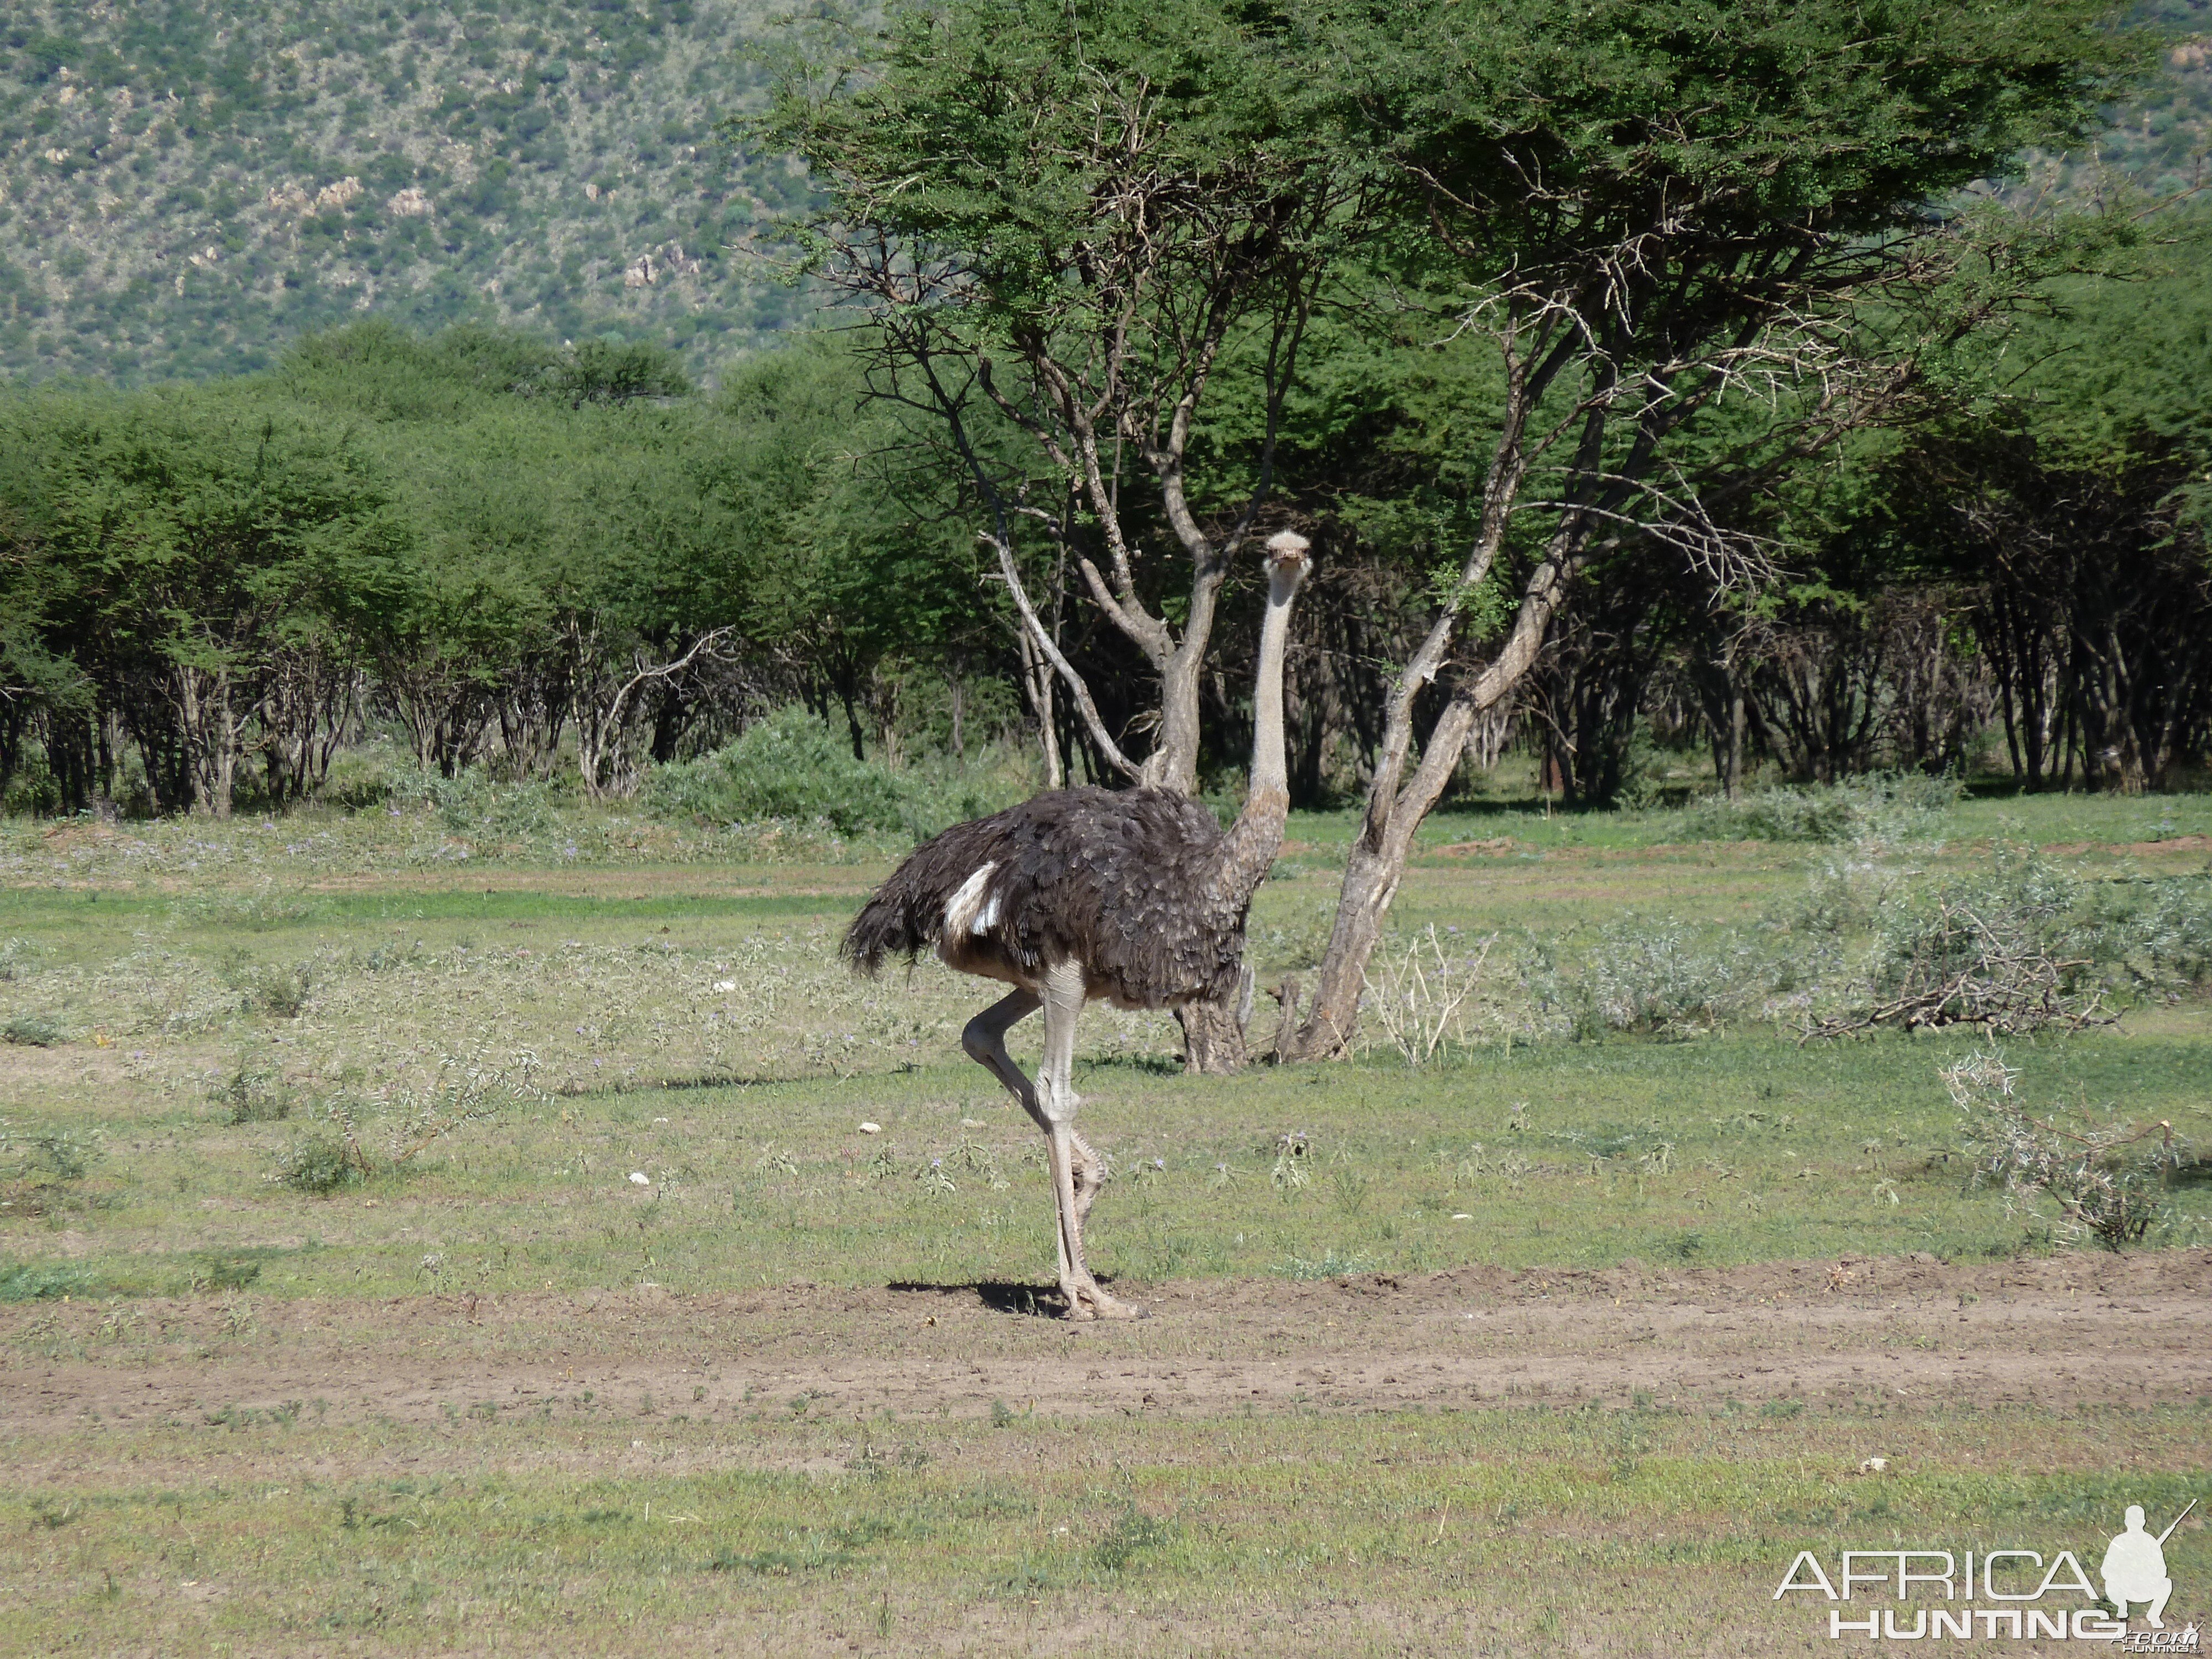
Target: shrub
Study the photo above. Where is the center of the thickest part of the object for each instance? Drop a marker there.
(253, 1093)
(364, 777)
(2157, 934)
(474, 804)
(32, 791)
(2009, 951)
(278, 990)
(1656, 979)
(1417, 996)
(1133, 1534)
(2108, 1180)
(1881, 805)
(792, 766)
(33, 1032)
(318, 1161)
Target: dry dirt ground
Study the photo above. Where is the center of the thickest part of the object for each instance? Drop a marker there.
(2053, 1333)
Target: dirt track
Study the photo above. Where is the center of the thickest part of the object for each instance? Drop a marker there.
(2118, 1330)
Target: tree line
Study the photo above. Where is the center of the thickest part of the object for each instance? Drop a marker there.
(537, 557)
(1645, 372)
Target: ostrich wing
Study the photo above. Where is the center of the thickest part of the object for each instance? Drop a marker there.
(1123, 882)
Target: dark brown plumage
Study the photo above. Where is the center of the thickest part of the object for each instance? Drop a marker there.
(1126, 883)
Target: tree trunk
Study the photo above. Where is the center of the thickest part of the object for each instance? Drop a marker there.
(444, 710)
(67, 738)
(605, 700)
(1733, 783)
(107, 744)
(1173, 764)
(1332, 1018)
(1213, 1032)
(210, 726)
(1377, 861)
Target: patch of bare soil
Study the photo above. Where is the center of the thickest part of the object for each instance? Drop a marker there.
(2055, 1332)
(73, 833)
(2138, 849)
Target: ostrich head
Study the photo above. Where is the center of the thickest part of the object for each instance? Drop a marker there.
(1287, 558)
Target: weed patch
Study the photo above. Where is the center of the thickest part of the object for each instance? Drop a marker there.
(256, 1091)
(1332, 1263)
(279, 990)
(47, 1157)
(319, 1161)
(217, 1271)
(25, 1282)
(1133, 1536)
(2106, 1179)
(1885, 807)
(33, 1032)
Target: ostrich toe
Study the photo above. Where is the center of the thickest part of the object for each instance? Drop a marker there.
(1090, 1302)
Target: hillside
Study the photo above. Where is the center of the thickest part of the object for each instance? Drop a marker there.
(186, 184)
(2162, 142)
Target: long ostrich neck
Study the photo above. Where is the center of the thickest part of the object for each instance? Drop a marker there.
(1251, 845)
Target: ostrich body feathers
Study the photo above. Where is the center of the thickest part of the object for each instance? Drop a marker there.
(1127, 884)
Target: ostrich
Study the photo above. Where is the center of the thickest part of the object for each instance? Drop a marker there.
(1138, 898)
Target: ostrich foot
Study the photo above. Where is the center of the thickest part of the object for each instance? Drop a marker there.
(1087, 1299)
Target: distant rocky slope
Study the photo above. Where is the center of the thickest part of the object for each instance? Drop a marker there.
(187, 184)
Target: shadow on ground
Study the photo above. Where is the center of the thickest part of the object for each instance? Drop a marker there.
(998, 1295)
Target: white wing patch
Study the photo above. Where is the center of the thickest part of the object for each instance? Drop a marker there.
(967, 911)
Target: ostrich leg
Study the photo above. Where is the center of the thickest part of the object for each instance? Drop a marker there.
(1065, 1153)
(984, 1038)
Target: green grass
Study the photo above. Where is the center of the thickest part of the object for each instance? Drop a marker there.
(694, 1024)
(1491, 1532)
(307, 913)
(1735, 1149)
(685, 1019)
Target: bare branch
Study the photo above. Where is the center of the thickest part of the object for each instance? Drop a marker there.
(1045, 643)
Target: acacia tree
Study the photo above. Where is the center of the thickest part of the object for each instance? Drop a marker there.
(2067, 487)
(636, 570)
(1647, 208)
(572, 564)
(855, 554)
(1062, 217)
(187, 552)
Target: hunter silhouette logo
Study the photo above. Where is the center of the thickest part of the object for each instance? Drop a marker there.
(2022, 1596)
(2134, 1567)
